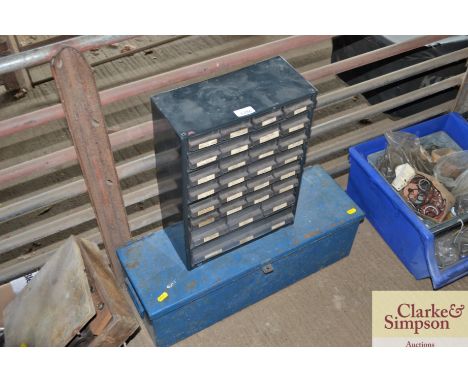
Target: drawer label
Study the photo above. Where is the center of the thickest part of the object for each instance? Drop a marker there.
(239, 149)
(295, 144)
(261, 186)
(247, 221)
(264, 170)
(290, 173)
(207, 160)
(296, 127)
(287, 188)
(289, 160)
(263, 198)
(246, 239)
(206, 179)
(268, 121)
(237, 165)
(273, 135)
(206, 222)
(234, 210)
(205, 194)
(214, 253)
(235, 196)
(210, 237)
(277, 225)
(237, 181)
(238, 133)
(300, 110)
(279, 206)
(205, 210)
(267, 154)
(244, 111)
(208, 143)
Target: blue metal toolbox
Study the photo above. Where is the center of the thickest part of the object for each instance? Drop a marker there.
(179, 302)
(398, 225)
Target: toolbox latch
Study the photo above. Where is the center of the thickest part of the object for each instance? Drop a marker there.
(267, 268)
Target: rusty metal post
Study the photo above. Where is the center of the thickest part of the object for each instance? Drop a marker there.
(80, 99)
(14, 81)
(461, 102)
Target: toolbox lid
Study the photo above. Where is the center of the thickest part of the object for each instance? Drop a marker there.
(153, 266)
(233, 97)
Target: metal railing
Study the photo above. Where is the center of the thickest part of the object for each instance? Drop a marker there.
(47, 164)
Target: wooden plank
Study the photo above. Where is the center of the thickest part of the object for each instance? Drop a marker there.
(82, 107)
(461, 102)
(122, 324)
(54, 305)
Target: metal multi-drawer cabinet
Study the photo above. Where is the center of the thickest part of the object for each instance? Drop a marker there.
(242, 141)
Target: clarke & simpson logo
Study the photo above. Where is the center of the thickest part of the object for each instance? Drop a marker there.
(419, 319)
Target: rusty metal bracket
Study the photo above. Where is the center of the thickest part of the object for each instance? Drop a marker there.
(80, 99)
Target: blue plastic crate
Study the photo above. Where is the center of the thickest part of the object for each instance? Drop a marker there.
(398, 225)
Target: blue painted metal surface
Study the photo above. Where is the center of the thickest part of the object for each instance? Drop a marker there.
(398, 225)
(323, 232)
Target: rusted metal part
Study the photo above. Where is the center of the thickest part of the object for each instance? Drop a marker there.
(115, 327)
(80, 99)
(369, 57)
(195, 71)
(19, 80)
(57, 160)
(42, 55)
(461, 102)
(122, 55)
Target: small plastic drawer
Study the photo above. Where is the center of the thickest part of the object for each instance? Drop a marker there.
(236, 130)
(278, 203)
(263, 151)
(259, 196)
(301, 122)
(207, 233)
(280, 220)
(232, 207)
(298, 107)
(265, 135)
(204, 220)
(285, 185)
(202, 158)
(289, 156)
(205, 174)
(259, 182)
(235, 146)
(234, 162)
(242, 236)
(203, 191)
(203, 207)
(292, 141)
(287, 171)
(232, 193)
(244, 217)
(268, 119)
(262, 166)
(203, 141)
(233, 178)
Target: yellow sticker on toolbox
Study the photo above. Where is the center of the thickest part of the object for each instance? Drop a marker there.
(163, 296)
(351, 211)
